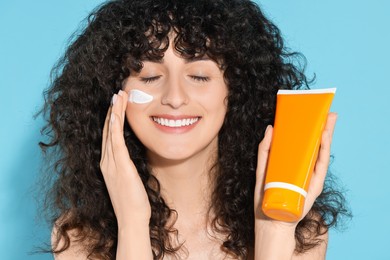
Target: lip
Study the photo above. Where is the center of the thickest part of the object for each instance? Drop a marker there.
(178, 129)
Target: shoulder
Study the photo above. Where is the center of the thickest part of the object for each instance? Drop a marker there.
(72, 243)
(318, 252)
(67, 246)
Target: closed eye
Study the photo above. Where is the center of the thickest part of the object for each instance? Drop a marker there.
(150, 79)
(200, 78)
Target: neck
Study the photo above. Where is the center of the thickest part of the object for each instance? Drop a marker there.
(186, 185)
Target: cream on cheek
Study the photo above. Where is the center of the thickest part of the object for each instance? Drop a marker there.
(134, 113)
(139, 97)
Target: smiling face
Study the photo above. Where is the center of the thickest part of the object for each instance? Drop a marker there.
(188, 107)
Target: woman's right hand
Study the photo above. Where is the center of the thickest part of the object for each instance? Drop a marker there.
(127, 192)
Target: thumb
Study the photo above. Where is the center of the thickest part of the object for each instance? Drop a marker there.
(264, 148)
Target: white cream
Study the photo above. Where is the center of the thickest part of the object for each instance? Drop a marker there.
(139, 97)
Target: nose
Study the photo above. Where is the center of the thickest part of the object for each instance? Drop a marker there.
(175, 94)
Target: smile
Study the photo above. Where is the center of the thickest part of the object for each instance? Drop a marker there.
(175, 123)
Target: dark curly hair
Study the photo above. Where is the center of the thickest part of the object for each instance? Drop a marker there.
(119, 35)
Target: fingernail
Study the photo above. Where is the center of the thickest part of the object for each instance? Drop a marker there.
(113, 100)
(120, 93)
(267, 129)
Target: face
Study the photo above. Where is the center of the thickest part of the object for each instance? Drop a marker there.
(188, 107)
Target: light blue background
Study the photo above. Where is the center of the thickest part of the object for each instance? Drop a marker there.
(345, 42)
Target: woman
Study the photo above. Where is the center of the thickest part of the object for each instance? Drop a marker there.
(179, 172)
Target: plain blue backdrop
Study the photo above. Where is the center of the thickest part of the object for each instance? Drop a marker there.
(345, 42)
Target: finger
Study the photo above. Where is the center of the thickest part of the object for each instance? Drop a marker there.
(330, 124)
(119, 149)
(121, 109)
(322, 163)
(326, 141)
(125, 98)
(321, 167)
(117, 107)
(124, 104)
(116, 129)
(264, 148)
(118, 145)
(105, 131)
(263, 151)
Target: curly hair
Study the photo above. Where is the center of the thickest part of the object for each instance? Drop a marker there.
(119, 35)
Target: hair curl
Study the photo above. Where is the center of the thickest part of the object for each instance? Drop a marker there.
(121, 34)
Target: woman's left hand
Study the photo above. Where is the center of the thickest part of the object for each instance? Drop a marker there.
(317, 180)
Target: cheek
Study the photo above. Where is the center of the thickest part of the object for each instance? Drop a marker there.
(139, 123)
(215, 99)
(134, 114)
(129, 111)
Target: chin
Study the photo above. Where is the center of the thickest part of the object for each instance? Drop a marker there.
(173, 154)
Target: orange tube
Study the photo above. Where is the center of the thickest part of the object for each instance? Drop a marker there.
(299, 121)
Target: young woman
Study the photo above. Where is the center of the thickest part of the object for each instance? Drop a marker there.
(178, 173)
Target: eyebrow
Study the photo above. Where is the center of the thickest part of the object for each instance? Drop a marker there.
(188, 60)
(159, 61)
(199, 58)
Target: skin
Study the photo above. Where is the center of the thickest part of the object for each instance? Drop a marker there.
(183, 172)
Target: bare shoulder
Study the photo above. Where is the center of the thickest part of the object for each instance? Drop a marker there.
(318, 252)
(71, 246)
(72, 249)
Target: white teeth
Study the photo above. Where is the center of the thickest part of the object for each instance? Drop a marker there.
(175, 123)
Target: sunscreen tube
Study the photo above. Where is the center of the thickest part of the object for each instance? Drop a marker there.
(299, 121)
